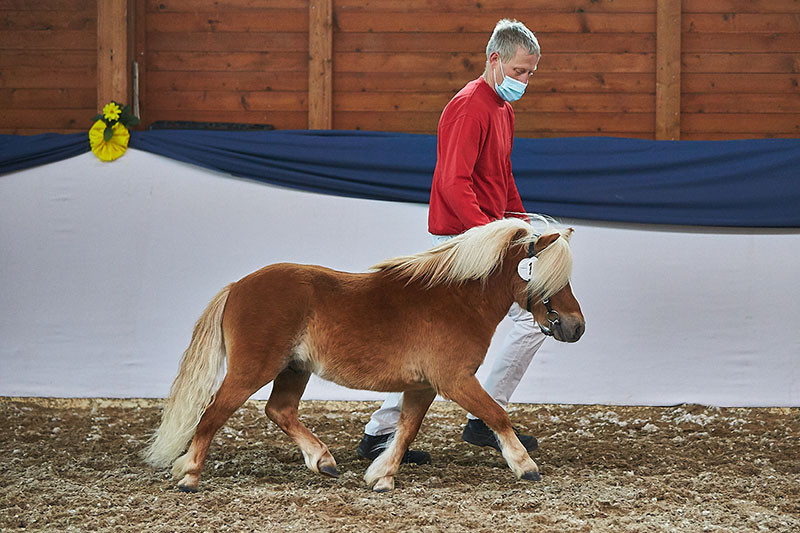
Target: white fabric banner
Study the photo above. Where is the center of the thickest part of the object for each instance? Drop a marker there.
(106, 266)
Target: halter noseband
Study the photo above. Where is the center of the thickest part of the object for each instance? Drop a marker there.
(552, 315)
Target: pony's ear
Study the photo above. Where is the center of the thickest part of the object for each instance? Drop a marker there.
(567, 234)
(544, 241)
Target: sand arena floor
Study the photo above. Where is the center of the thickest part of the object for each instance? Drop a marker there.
(73, 465)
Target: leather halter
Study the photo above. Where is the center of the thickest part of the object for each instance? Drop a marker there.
(552, 317)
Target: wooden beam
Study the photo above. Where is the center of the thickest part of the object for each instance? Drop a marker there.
(112, 52)
(668, 70)
(320, 64)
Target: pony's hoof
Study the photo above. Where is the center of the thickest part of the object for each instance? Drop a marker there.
(384, 484)
(187, 488)
(532, 476)
(329, 471)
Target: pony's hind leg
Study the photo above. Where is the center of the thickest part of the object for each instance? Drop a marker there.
(246, 374)
(230, 396)
(469, 394)
(282, 409)
(380, 474)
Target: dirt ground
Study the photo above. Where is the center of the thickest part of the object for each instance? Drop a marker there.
(73, 465)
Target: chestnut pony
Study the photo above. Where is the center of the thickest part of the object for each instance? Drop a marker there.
(420, 324)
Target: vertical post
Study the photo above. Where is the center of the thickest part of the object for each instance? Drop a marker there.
(668, 70)
(320, 64)
(112, 52)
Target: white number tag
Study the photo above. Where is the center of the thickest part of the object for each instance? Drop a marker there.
(525, 268)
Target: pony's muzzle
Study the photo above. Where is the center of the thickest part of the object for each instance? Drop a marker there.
(572, 328)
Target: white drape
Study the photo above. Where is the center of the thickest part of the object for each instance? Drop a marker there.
(106, 266)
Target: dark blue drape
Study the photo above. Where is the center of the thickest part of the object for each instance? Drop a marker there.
(18, 152)
(747, 183)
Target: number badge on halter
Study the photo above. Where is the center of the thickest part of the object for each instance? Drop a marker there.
(525, 268)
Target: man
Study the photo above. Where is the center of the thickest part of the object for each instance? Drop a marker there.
(473, 185)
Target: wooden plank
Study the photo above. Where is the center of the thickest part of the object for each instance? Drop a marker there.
(468, 21)
(227, 100)
(473, 63)
(43, 59)
(762, 123)
(48, 40)
(717, 83)
(554, 122)
(507, 6)
(188, 6)
(740, 103)
(267, 20)
(294, 120)
(55, 78)
(320, 64)
(739, 42)
(47, 20)
(462, 42)
(450, 82)
(536, 134)
(668, 70)
(229, 81)
(228, 42)
(742, 63)
(741, 6)
(50, 119)
(716, 136)
(740, 23)
(227, 62)
(547, 102)
(47, 98)
(49, 5)
(595, 122)
(112, 52)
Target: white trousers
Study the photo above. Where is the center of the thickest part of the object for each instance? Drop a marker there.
(519, 347)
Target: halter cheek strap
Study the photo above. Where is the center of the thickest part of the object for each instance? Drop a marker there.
(552, 317)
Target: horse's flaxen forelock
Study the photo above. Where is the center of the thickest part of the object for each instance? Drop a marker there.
(553, 267)
(476, 253)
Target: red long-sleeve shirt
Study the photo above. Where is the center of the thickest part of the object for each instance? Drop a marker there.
(472, 182)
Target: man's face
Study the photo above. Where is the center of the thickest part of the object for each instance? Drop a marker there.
(521, 67)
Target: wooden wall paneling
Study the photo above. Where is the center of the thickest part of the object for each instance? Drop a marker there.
(668, 70)
(320, 64)
(112, 52)
(48, 56)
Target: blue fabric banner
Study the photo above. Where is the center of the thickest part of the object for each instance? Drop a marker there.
(747, 183)
(18, 152)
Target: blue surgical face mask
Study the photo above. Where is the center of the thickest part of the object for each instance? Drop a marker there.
(510, 89)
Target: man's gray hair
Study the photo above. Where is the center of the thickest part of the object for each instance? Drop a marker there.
(507, 35)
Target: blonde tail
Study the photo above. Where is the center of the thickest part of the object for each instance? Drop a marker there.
(194, 387)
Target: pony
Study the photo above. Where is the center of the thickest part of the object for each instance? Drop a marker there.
(419, 324)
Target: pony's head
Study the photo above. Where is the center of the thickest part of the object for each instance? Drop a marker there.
(498, 247)
(544, 268)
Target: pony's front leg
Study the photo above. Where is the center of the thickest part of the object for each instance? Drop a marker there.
(282, 409)
(468, 393)
(380, 474)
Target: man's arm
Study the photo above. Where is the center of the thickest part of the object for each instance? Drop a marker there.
(459, 146)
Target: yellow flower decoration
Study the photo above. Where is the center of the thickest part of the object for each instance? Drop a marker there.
(114, 147)
(111, 111)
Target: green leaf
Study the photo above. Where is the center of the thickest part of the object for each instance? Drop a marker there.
(108, 133)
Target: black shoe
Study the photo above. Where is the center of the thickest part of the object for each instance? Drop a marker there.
(371, 447)
(479, 434)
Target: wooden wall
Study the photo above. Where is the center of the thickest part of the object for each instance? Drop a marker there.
(397, 63)
(48, 72)
(740, 69)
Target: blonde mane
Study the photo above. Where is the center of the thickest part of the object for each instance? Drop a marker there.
(476, 254)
